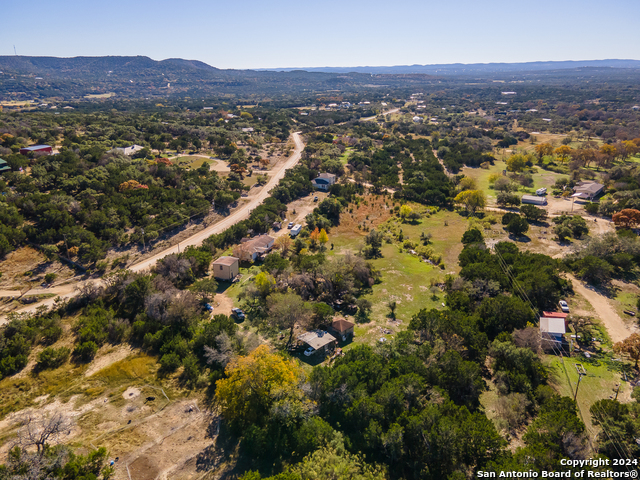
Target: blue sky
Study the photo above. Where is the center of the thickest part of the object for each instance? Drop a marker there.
(284, 33)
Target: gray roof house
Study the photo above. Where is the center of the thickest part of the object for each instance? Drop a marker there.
(324, 181)
(588, 190)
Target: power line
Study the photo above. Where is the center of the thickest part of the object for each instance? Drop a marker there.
(615, 442)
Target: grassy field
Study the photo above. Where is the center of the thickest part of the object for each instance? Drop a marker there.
(541, 178)
(191, 162)
(405, 279)
(344, 158)
(600, 382)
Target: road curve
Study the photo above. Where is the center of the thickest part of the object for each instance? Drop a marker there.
(194, 240)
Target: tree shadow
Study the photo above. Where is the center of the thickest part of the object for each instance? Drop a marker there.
(520, 238)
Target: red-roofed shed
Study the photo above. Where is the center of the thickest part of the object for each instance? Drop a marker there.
(554, 315)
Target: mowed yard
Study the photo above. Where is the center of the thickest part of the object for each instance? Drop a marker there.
(541, 179)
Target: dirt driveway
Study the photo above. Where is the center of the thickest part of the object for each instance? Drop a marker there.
(616, 327)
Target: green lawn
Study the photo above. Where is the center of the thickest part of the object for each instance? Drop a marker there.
(599, 383)
(191, 162)
(404, 277)
(541, 178)
(344, 158)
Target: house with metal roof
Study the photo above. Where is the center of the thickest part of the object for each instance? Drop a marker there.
(130, 150)
(4, 166)
(319, 340)
(588, 190)
(40, 149)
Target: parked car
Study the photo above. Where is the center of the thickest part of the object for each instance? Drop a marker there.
(541, 191)
(290, 226)
(564, 306)
(237, 313)
(315, 199)
(309, 351)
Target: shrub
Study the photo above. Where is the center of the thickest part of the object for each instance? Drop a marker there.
(86, 351)
(507, 217)
(50, 277)
(592, 208)
(50, 357)
(169, 362)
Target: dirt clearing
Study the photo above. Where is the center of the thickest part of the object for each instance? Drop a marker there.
(616, 327)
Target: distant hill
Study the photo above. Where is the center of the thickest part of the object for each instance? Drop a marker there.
(24, 78)
(142, 76)
(473, 68)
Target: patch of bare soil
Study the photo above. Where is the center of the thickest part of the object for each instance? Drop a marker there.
(24, 260)
(373, 210)
(222, 304)
(177, 442)
(615, 325)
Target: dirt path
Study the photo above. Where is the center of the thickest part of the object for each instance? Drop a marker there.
(393, 110)
(615, 325)
(194, 240)
(237, 216)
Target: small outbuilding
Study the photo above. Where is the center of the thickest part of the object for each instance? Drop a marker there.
(553, 328)
(534, 200)
(4, 166)
(226, 268)
(342, 329)
(319, 340)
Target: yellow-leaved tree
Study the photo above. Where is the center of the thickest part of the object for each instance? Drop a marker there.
(564, 152)
(472, 200)
(323, 237)
(257, 382)
(405, 211)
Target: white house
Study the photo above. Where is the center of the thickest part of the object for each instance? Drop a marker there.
(127, 150)
(324, 181)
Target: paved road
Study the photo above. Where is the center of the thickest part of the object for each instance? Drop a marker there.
(69, 291)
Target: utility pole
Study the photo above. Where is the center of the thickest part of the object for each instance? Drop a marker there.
(617, 390)
(65, 245)
(577, 386)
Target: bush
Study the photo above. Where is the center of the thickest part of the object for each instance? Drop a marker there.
(507, 217)
(50, 277)
(592, 208)
(508, 199)
(50, 357)
(472, 236)
(86, 351)
(169, 362)
(533, 213)
(518, 226)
